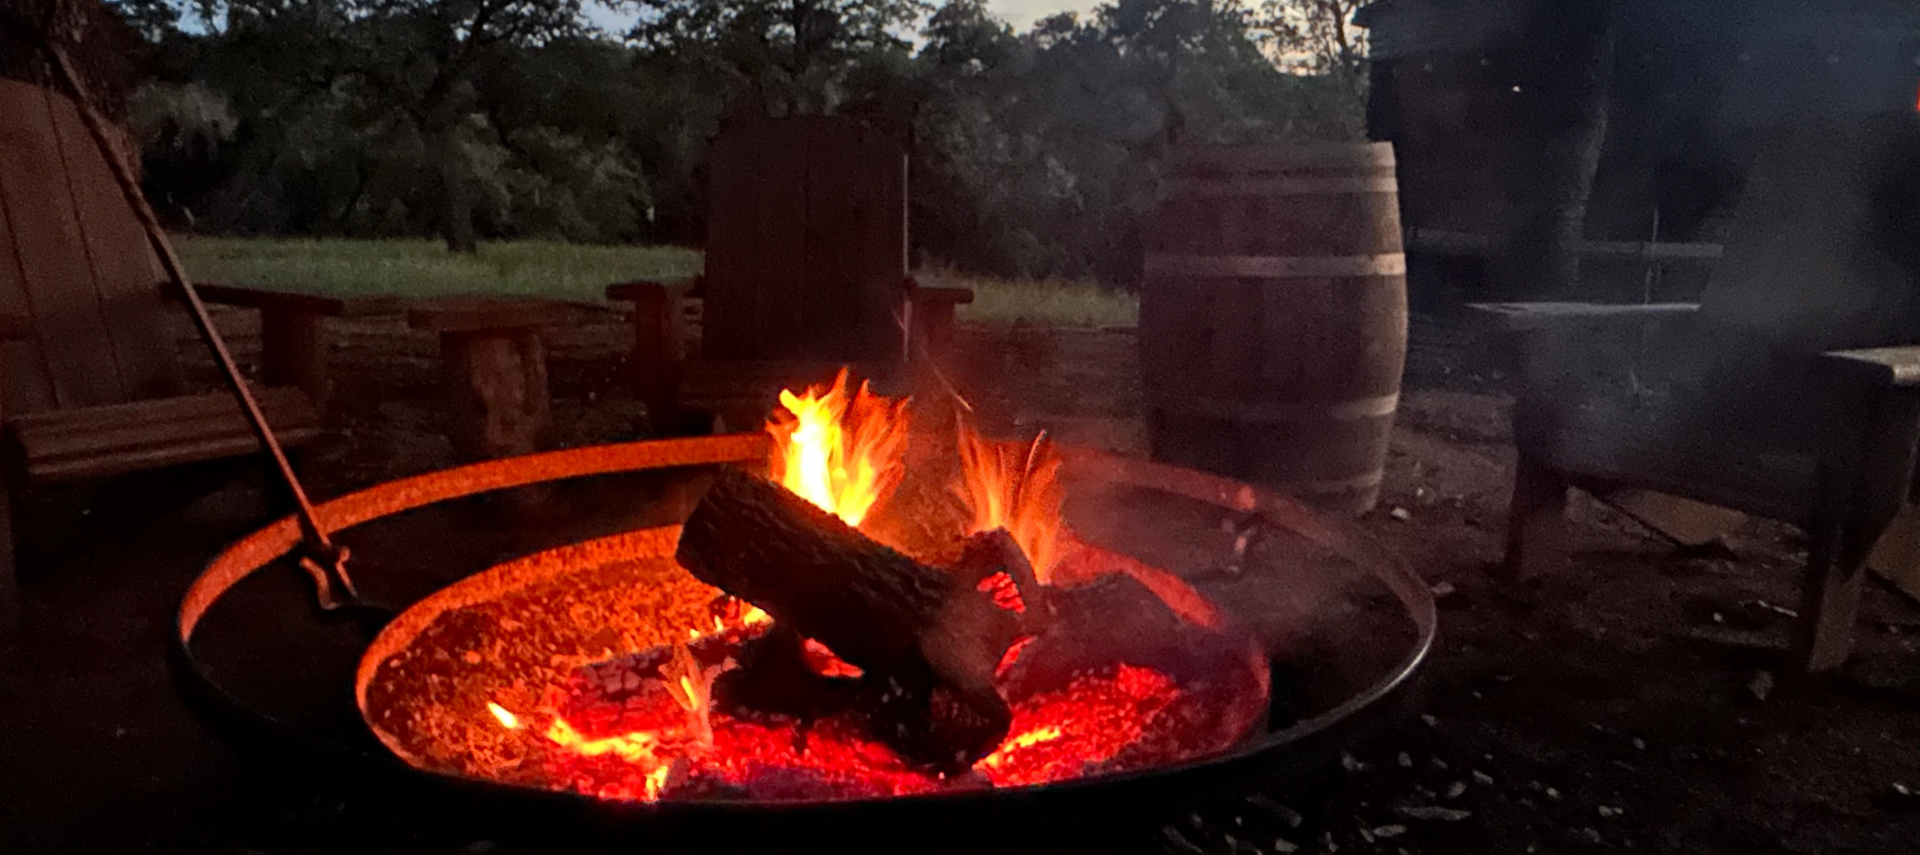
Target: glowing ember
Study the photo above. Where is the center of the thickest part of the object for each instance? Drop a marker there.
(507, 719)
(1005, 593)
(692, 688)
(1012, 656)
(1025, 740)
(822, 661)
(1081, 728)
(1065, 733)
(632, 747)
(839, 451)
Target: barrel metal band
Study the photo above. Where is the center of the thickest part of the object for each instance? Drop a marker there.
(1189, 188)
(1278, 266)
(1231, 409)
(1259, 158)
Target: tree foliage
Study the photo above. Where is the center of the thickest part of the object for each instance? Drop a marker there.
(1033, 152)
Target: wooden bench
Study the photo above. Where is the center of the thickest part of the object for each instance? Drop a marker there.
(293, 344)
(1793, 393)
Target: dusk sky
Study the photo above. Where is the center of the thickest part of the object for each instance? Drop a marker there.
(1020, 13)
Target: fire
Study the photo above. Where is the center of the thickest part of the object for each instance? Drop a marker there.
(1024, 740)
(636, 747)
(1005, 593)
(824, 663)
(843, 450)
(507, 720)
(1014, 486)
(656, 781)
(1091, 720)
(692, 688)
(837, 450)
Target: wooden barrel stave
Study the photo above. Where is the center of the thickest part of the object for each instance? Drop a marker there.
(1273, 322)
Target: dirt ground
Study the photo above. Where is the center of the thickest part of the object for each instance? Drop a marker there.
(1640, 701)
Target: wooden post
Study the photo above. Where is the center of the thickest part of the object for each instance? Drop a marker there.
(1537, 525)
(932, 312)
(1829, 598)
(1865, 479)
(293, 352)
(659, 347)
(495, 367)
(11, 327)
(499, 405)
(1537, 521)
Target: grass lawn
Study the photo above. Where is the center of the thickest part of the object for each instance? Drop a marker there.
(424, 267)
(573, 272)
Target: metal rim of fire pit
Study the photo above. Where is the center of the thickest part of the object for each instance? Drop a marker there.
(262, 548)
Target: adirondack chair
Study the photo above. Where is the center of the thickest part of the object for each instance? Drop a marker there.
(1792, 388)
(805, 270)
(93, 385)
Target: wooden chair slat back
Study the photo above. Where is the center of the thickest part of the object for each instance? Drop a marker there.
(74, 258)
(806, 242)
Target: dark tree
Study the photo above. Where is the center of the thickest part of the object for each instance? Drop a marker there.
(1563, 75)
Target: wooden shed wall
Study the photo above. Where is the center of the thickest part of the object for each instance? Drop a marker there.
(1696, 83)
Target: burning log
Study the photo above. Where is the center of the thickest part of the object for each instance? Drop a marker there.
(928, 639)
(773, 677)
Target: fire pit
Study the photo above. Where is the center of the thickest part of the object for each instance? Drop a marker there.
(906, 622)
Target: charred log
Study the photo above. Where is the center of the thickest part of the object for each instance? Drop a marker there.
(773, 678)
(929, 639)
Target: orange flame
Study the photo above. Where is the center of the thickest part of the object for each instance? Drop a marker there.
(657, 781)
(691, 686)
(839, 451)
(507, 719)
(1024, 740)
(1014, 486)
(635, 747)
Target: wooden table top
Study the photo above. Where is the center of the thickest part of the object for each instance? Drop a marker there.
(482, 314)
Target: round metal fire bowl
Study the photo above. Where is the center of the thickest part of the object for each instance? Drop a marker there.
(1346, 623)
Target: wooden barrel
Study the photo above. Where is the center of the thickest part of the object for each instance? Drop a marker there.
(1273, 320)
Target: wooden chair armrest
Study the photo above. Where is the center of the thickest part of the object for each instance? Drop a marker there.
(293, 346)
(928, 295)
(475, 314)
(1894, 367)
(932, 333)
(1554, 317)
(643, 290)
(659, 343)
(15, 327)
(270, 300)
